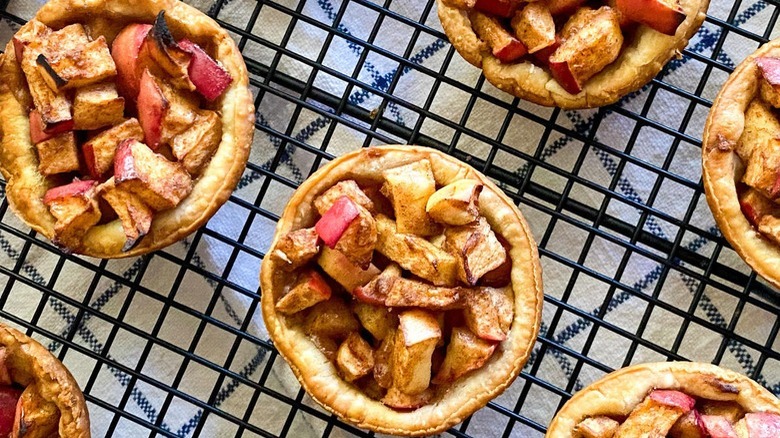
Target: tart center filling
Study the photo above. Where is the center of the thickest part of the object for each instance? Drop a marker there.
(403, 285)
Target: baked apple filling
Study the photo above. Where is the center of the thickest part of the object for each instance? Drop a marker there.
(573, 39)
(120, 133)
(675, 414)
(402, 283)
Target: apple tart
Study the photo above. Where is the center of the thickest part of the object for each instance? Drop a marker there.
(126, 124)
(403, 288)
(741, 160)
(671, 399)
(570, 53)
(38, 396)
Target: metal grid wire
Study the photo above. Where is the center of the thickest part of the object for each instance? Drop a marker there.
(300, 115)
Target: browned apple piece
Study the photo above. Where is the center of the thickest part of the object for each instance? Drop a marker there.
(730, 410)
(770, 83)
(586, 52)
(577, 21)
(348, 188)
(136, 217)
(383, 360)
(761, 128)
(465, 352)
(36, 417)
(163, 112)
(309, 290)
(489, 312)
(49, 75)
(378, 320)
(160, 50)
(534, 26)
(375, 291)
(160, 183)
(326, 345)
(409, 187)
(58, 154)
(665, 16)
(97, 106)
(99, 152)
(53, 106)
(477, 248)
(355, 358)
(359, 240)
(406, 292)
(77, 60)
(596, 427)
(76, 210)
(715, 426)
(761, 172)
(331, 318)
(297, 248)
(341, 269)
(418, 333)
(504, 45)
(559, 7)
(502, 275)
(126, 50)
(195, 146)
(650, 418)
(415, 254)
(33, 31)
(456, 203)
(688, 426)
(398, 400)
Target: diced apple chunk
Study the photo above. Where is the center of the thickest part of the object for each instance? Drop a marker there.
(651, 418)
(99, 152)
(35, 416)
(504, 46)
(762, 424)
(406, 292)
(534, 26)
(161, 51)
(416, 254)
(76, 210)
(195, 146)
(161, 184)
(456, 203)
(596, 427)
(409, 188)
(297, 248)
(334, 222)
(489, 312)
(688, 426)
(40, 132)
(348, 188)
(350, 229)
(375, 291)
(135, 215)
(58, 154)
(331, 318)
(670, 397)
(715, 426)
(346, 273)
(398, 400)
(326, 345)
(126, 50)
(665, 16)
(417, 336)
(309, 290)
(770, 79)
(355, 358)
(211, 79)
(77, 60)
(502, 275)
(163, 112)
(465, 352)
(477, 249)
(53, 106)
(383, 360)
(97, 106)
(33, 31)
(378, 320)
(761, 172)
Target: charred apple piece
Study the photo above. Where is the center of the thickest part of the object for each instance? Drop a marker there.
(761, 126)
(586, 52)
(9, 398)
(195, 146)
(99, 152)
(58, 154)
(409, 187)
(54, 107)
(97, 106)
(504, 46)
(465, 352)
(34, 30)
(211, 79)
(596, 427)
(355, 358)
(378, 320)
(346, 273)
(770, 83)
(40, 132)
(477, 249)
(489, 312)
(160, 49)
(76, 210)
(135, 215)
(455, 204)
(534, 26)
(49, 75)
(309, 290)
(336, 220)
(161, 184)
(35, 417)
(331, 318)
(665, 16)
(297, 248)
(502, 8)
(417, 336)
(125, 51)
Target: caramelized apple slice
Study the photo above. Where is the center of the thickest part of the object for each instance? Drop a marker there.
(665, 16)
(161, 184)
(58, 154)
(534, 26)
(729, 410)
(9, 399)
(309, 290)
(715, 426)
(346, 273)
(210, 78)
(76, 210)
(409, 187)
(489, 312)
(770, 80)
(504, 46)
(456, 203)
(97, 106)
(331, 318)
(99, 152)
(477, 249)
(163, 112)
(376, 291)
(465, 352)
(405, 292)
(348, 188)
(378, 320)
(35, 416)
(417, 336)
(355, 358)
(195, 146)
(596, 427)
(135, 215)
(297, 248)
(125, 51)
(161, 50)
(40, 132)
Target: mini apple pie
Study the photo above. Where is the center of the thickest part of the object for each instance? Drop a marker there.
(403, 288)
(38, 396)
(126, 123)
(741, 161)
(570, 53)
(671, 399)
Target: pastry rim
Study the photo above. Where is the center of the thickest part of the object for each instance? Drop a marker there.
(18, 159)
(319, 376)
(650, 51)
(627, 387)
(724, 126)
(53, 379)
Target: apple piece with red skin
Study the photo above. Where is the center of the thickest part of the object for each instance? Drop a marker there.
(502, 275)
(534, 26)
(152, 106)
(346, 273)
(211, 79)
(504, 46)
(9, 398)
(309, 289)
(716, 426)
(754, 206)
(665, 16)
(161, 52)
(125, 50)
(543, 55)
(763, 424)
(688, 426)
(76, 188)
(336, 220)
(770, 84)
(135, 215)
(41, 132)
(501, 8)
(673, 398)
(99, 152)
(76, 210)
(160, 183)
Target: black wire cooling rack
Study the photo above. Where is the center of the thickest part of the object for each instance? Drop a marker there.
(600, 213)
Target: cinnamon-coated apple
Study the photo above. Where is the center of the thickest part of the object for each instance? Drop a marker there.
(504, 46)
(665, 16)
(97, 106)
(75, 208)
(456, 203)
(195, 146)
(416, 338)
(334, 222)
(39, 131)
(35, 416)
(309, 289)
(135, 215)
(345, 272)
(99, 152)
(534, 26)
(58, 154)
(465, 352)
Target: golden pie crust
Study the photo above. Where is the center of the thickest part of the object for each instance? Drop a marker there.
(722, 167)
(30, 363)
(319, 376)
(639, 61)
(618, 393)
(19, 162)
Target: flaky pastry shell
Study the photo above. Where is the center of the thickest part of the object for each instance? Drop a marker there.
(722, 168)
(30, 363)
(19, 162)
(619, 392)
(640, 60)
(319, 376)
